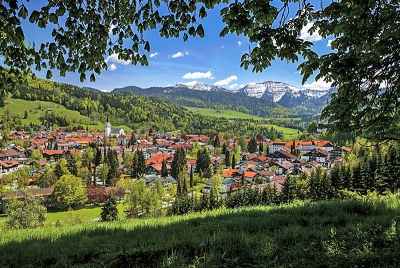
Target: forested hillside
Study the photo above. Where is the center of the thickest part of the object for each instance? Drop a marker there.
(211, 99)
(137, 112)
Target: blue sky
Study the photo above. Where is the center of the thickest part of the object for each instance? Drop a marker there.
(208, 60)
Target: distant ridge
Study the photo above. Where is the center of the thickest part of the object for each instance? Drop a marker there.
(302, 101)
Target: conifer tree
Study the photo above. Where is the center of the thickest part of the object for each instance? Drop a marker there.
(252, 145)
(227, 158)
(109, 212)
(224, 148)
(135, 164)
(216, 143)
(233, 161)
(141, 168)
(164, 170)
(113, 164)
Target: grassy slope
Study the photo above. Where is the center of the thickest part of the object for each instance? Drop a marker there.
(230, 114)
(37, 109)
(332, 234)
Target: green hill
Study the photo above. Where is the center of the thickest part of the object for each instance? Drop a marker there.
(328, 234)
(47, 102)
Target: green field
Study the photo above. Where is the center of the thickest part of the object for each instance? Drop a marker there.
(37, 109)
(288, 133)
(346, 233)
(228, 114)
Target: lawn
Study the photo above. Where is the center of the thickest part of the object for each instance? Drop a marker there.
(37, 109)
(327, 234)
(228, 114)
(84, 215)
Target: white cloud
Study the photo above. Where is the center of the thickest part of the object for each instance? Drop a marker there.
(222, 47)
(233, 86)
(242, 85)
(152, 55)
(305, 35)
(198, 75)
(189, 84)
(318, 85)
(113, 67)
(186, 53)
(177, 55)
(329, 42)
(112, 27)
(226, 81)
(114, 58)
(239, 43)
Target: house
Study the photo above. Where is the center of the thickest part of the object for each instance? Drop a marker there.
(339, 152)
(284, 168)
(317, 154)
(7, 166)
(8, 154)
(43, 193)
(282, 155)
(156, 169)
(277, 145)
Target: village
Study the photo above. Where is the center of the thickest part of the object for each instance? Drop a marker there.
(270, 165)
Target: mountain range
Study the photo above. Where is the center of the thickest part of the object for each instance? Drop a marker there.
(301, 101)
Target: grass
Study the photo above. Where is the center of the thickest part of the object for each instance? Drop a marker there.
(328, 234)
(288, 133)
(84, 215)
(228, 114)
(37, 109)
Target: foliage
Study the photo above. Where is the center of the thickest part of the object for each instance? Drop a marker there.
(25, 212)
(109, 211)
(352, 233)
(69, 193)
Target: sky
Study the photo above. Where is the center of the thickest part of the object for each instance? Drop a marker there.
(209, 60)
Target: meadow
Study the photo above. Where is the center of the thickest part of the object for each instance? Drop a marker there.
(288, 133)
(345, 233)
(37, 109)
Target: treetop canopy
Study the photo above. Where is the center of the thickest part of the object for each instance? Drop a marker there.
(363, 64)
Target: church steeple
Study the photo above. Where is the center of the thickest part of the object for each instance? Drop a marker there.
(107, 128)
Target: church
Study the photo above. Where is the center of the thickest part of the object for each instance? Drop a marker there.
(109, 132)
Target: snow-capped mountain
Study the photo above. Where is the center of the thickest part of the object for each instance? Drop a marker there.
(201, 87)
(277, 91)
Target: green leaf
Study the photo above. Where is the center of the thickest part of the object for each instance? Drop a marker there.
(147, 46)
(23, 12)
(224, 32)
(49, 74)
(200, 31)
(92, 78)
(34, 17)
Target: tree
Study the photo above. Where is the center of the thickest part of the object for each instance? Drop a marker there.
(362, 60)
(164, 170)
(178, 163)
(61, 168)
(68, 193)
(203, 161)
(113, 165)
(109, 212)
(252, 145)
(25, 212)
(216, 142)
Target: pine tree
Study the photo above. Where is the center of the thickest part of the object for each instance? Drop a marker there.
(224, 148)
(164, 170)
(216, 143)
(113, 163)
(135, 164)
(227, 158)
(252, 145)
(109, 212)
(233, 161)
(141, 168)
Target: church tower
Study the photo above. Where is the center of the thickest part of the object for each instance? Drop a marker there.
(107, 128)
